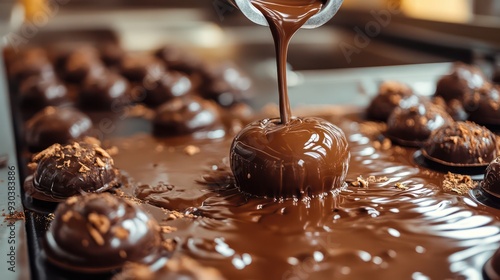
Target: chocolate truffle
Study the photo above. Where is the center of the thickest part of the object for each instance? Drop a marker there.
(29, 63)
(169, 86)
(225, 84)
(36, 93)
(413, 125)
(461, 144)
(491, 183)
(483, 105)
(305, 157)
(390, 94)
(111, 54)
(179, 267)
(82, 63)
(64, 171)
(189, 116)
(462, 80)
(56, 125)
(142, 68)
(178, 60)
(105, 92)
(97, 233)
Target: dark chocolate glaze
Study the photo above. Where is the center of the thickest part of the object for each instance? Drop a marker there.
(169, 86)
(491, 183)
(99, 233)
(375, 232)
(304, 157)
(107, 91)
(36, 93)
(56, 125)
(462, 80)
(142, 68)
(412, 126)
(188, 116)
(461, 144)
(390, 94)
(64, 171)
(81, 64)
(492, 267)
(483, 105)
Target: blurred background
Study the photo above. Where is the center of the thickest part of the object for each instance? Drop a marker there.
(364, 33)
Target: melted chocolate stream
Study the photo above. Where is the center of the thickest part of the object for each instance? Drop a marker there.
(285, 17)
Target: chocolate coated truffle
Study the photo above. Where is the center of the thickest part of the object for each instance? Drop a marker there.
(305, 157)
(82, 63)
(483, 105)
(142, 69)
(491, 183)
(225, 84)
(461, 144)
(462, 80)
(413, 125)
(64, 171)
(111, 54)
(56, 125)
(99, 233)
(105, 92)
(169, 86)
(29, 63)
(178, 60)
(389, 96)
(36, 93)
(189, 116)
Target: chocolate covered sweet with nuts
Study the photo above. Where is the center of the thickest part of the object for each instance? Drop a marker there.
(483, 105)
(461, 144)
(98, 233)
(64, 171)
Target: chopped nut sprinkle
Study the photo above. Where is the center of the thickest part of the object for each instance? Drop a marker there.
(168, 229)
(99, 222)
(400, 186)
(96, 235)
(460, 184)
(191, 150)
(121, 232)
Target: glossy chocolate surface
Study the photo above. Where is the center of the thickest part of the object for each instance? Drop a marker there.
(108, 91)
(461, 144)
(389, 96)
(56, 125)
(29, 63)
(77, 168)
(225, 84)
(462, 80)
(36, 93)
(99, 233)
(81, 64)
(142, 68)
(188, 116)
(305, 157)
(169, 86)
(483, 105)
(491, 183)
(177, 59)
(412, 126)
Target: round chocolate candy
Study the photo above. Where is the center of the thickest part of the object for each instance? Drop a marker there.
(30, 63)
(189, 116)
(491, 183)
(36, 93)
(111, 54)
(461, 144)
(56, 125)
(169, 86)
(178, 60)
(305, 157)
(105, 92)
(413, 125)
(483, 105)
(142, 68)
(462, 80)
(64, 171)
(97, 233)
(225, 84)
(390, 94)
(82, 63)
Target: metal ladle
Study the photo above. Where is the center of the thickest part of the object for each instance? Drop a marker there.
(329, 9)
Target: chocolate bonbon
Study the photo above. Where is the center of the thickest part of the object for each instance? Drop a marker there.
(56, 125)
(98, 233)
(491, 183)
(413, 125)
(109, 91)
(483, 105)
(36, 93)
(462, 80)
(61, 171)
(390, 94)
(169, 86)
(461, 144)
